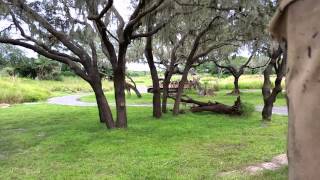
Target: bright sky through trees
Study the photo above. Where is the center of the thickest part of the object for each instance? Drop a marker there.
(123, 6)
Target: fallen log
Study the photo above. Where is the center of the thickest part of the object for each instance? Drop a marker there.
(215, 107)
(129, 86)
(133, 86)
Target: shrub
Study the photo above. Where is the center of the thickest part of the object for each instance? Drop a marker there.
(247, 109)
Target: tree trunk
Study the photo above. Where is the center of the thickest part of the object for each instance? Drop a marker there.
(266, 92)
(156, 101)
(103, 106)
(215, 107)
(155, 81)
(176, 107)
(270, 97)
(165, 88)
(220, 108)
(119, 81)
(120, 97)
(267, 109)
(236, 90)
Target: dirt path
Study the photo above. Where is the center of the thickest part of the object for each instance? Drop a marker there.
(70, 100)
(74, 100)
(276, 163)
(279, 110)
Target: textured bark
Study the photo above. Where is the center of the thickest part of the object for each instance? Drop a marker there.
(120, 98)
(215, 107)
(266, 92)
(221, 108)
(176, 107)
(119, 87)
(165, 88)
(236, 89)
(103, 106)
(156, 100)
(270, 96)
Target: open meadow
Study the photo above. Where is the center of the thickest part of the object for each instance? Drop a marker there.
(42, 141)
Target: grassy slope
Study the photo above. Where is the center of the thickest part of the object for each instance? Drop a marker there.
(47, 141)
(248, 97)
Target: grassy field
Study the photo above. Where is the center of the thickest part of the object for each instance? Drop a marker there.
(57, 142)
(61, 142)
(18, 90)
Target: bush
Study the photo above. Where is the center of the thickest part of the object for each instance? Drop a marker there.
(247, 109)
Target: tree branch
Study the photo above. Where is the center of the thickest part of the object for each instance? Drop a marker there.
(121, 21)
(257, 67)
(64, 39)
(208, 50)
(150, 33)
(249, 59)
(73, 65)
(136, 16)
(103, 12)
(206, 6)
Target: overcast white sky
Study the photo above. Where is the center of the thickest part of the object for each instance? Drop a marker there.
(123, 7)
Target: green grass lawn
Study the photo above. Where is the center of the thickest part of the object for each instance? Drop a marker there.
(254, 98)
(60, 142)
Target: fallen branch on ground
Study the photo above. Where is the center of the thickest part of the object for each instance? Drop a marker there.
(216, 107)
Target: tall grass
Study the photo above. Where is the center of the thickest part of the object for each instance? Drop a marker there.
(70, 85)
(245, 81)
(18, 90)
